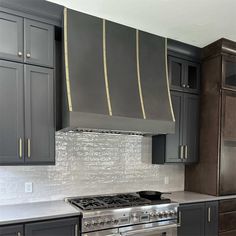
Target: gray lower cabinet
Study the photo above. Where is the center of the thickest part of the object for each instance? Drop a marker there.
(183, 145)
(38, 43)
(200, 219)
(12, 113)
(27, 130)
(64, 227)
(11, 40)
(39, 115)
(16, 230)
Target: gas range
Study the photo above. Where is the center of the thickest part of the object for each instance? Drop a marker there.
(117, 212)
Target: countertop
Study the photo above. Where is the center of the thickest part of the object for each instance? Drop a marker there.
(184, 197)
(13, 214)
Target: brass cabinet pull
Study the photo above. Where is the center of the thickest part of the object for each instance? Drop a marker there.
(76, 230)
(28, 55)
(181, 152)
(29, 148)
(179, 219)
(20, 148)
(20, 54)
(185, 152)
(209, 215)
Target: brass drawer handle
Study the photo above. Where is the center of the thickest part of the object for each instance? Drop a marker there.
(181, 152)
(29, 148)
(185, 152)
(209, 215)
(179, 219)
(20, 148)
(76, 230)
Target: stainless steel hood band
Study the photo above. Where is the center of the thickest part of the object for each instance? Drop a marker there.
(138, 74)
(67, 73)
(167, 81)
(105, 68)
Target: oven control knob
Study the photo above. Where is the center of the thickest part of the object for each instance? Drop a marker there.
(160, 214)
(86, 224)
(172, 213)
(101, 222)
(114, 221)
(166, 213)
(152, 213)
(94, 223)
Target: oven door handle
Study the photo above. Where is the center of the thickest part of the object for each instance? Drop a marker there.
(159, 229)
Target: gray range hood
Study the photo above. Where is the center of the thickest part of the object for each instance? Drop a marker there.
(115, 78)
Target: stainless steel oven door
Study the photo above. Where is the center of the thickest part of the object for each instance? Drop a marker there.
(112, 232)
(153, 229)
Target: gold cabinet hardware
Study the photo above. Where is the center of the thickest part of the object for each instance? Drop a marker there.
(179, 219)
(181, 152)
(209, 215)
(29, 148)
(185, 152)
(76, 230)
(28, 55)
(20, 54)
(20, 148)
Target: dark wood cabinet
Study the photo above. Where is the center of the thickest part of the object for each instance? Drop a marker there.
(27, 130)
(26, 40)
(215, 173)
(184, 75)
(64, 227)
(200, 219)
(39, 115)
(11, 40)
(12, 113)
(39, 43)
(182, 146)
(16, 230)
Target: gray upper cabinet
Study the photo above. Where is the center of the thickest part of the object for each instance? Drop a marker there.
(25, 40)
(38, 43)
(183, 145)
(12, 113)
(64, 227)
(39, 115)
(11, 40)
(16, 230)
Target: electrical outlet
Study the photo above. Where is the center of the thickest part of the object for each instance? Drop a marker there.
(28, 187)
(166, 180)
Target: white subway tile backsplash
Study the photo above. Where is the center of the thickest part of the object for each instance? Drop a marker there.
(88, 164)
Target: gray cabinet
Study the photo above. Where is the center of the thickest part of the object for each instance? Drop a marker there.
(11, 40)
(200, 219)
(12, 113)
(182, 146)
(38, 40)
(26, 40)
(27, 130)
(16, 230)
(64, 227)
(39, 115)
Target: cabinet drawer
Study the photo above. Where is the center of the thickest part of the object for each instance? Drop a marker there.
(227, 221)
(227, 205)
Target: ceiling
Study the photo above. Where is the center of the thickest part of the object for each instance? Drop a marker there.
(197, 22)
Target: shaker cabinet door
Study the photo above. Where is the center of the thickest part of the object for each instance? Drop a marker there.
(39, 115)
(211, 225)
(39, 46)
(11, 230)
(11, 109)
(191, 128)
(11, 40)
(192, 220)
(65, 227)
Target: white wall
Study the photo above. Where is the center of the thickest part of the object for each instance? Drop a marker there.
(88, 164)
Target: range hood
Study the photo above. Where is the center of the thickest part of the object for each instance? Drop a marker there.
(115, 78)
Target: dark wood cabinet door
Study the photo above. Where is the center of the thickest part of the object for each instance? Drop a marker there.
(211, 223)
(192, 220)
(39, 43)
(228, 144)
(174, 141)
(192, 77)
(16, 230)
(11, 40)
(229, 72)
(64, 227)
(191, 128)
(12, 116)
(39, 115)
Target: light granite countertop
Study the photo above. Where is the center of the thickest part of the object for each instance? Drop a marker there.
(14, 214)
(184, 197)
